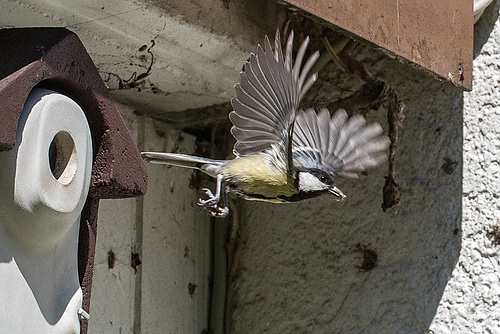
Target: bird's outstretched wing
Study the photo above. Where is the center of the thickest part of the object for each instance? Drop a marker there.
(338, 145)
(268, 96)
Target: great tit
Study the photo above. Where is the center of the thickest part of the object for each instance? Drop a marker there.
(283, 153)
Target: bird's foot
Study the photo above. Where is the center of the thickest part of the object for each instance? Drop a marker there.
(211, 201)
(212, 205)
(217, 211)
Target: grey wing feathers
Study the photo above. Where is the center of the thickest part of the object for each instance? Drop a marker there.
(206, 165)
(268, 96)
(339, 145)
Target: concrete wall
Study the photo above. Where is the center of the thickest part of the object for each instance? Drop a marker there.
(168, 290)
(298, 265)
(438, 266)
(299, 270)
(470, 303)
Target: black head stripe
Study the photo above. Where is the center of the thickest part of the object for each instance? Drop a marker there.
(316, 172)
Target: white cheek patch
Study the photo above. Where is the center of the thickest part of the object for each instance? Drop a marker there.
(309, 182)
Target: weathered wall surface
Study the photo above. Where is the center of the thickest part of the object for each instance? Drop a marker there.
(298, 269)
(437, 266)
(470, 303)
(168, 290)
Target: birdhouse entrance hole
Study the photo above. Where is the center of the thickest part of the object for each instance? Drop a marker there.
(62, 157)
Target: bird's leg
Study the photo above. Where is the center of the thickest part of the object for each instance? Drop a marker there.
(212, 199)
(216, 210)
(225, 210)
(211, 204)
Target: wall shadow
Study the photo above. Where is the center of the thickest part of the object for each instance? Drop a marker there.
(484, 26)
(301, 270)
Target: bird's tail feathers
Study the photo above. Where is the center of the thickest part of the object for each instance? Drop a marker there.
(206, 165)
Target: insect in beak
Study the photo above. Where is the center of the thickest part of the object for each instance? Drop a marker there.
(337, 193)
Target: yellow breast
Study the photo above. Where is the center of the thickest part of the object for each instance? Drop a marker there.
(255, 174)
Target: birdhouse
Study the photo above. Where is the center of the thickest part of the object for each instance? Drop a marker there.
(63, 147)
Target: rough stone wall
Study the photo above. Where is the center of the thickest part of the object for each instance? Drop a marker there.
(471, 301)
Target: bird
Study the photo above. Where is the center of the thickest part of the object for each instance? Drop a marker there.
(283, 153)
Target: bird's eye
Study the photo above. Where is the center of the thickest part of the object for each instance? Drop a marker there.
(323, 178)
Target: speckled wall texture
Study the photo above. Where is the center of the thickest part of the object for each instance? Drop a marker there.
(326, 267)
(299, 270)
(470, 303)
(437, 268)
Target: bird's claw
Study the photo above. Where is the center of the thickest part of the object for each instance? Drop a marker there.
(217, 211)
(211, 201)
(211, 205)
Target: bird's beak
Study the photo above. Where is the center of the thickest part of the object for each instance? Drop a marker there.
(339, 195)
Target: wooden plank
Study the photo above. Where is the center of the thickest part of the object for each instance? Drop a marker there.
(436, 35)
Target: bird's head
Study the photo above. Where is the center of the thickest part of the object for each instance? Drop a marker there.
(311, 180)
